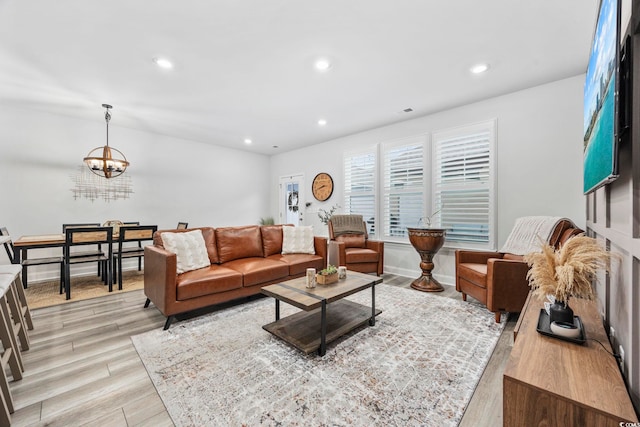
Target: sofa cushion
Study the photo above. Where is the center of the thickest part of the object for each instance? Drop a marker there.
(207, 233)
(360, 255)
(474, 273)
(238, 242)
(206, 281)
(271, 239)
(298, 263)
(256, 271)
(352, 240)
(190, 249)
(298, 240)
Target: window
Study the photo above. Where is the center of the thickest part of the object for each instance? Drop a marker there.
(463, 184)
(389, 185)
(403, 189)
(359, 186)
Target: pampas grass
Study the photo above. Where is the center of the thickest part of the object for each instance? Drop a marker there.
(570, 270)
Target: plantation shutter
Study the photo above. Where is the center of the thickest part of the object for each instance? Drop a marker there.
(403, 189)
(359, 186)
(463, 184)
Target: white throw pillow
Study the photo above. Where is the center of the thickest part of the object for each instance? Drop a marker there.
(297, 240)
(190, 250)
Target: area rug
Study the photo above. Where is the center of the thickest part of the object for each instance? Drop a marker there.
(45, 294)
(419, 365)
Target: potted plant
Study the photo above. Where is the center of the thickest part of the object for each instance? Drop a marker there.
(325, 215)
(425, 221)
(566, 272)
(328, 275)
(267, 220)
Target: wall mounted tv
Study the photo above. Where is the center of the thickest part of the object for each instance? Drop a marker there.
(600, 100)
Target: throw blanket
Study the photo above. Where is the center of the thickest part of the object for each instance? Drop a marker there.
(529, 233)
(347, 224)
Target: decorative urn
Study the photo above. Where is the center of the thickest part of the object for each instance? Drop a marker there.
(427, 242)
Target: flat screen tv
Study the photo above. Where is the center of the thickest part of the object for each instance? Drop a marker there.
(600, 100)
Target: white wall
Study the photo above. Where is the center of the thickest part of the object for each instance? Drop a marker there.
(539, 159)
(173, 179)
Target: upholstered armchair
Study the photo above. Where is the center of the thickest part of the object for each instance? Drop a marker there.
(349, 245)
(499, 279)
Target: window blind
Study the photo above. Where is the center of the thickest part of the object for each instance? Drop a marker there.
(463, 184)
(359, 186)
(403, 189)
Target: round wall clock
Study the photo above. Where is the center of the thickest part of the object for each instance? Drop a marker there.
(322, 186)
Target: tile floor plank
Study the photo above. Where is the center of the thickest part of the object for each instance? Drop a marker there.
(141, 410)
(113, 419)
(90, 401)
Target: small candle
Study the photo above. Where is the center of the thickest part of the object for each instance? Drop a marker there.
(311, 277)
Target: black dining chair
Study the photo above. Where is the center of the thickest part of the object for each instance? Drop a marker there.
(30, 262)
(135, 248)
(87, 252)
(84, 236)
(136, 233)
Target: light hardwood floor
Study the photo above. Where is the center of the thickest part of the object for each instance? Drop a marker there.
(82, 368)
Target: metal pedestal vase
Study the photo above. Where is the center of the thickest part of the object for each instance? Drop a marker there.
(427, 242)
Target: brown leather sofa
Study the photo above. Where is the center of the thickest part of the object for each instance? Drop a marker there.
(243, 259)
(357, 252)
(499, 280)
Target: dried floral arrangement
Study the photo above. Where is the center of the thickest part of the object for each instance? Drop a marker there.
(570, 270)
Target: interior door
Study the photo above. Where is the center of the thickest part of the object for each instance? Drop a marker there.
(292, 199)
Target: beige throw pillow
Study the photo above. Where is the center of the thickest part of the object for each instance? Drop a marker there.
(298, 240)
(190, 250)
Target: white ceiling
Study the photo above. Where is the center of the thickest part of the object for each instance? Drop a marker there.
(244, 68)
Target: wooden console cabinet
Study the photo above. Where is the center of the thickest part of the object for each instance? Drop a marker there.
(550, 382)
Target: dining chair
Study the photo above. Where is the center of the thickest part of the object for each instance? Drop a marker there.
(182, 225)
(134, 233)
(87, 252)
(30, 262)
(84, 236)
(136, 248)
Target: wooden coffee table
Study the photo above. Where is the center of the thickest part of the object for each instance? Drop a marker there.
(326, 315)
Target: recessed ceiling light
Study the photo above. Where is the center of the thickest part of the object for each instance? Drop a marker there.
(322, 64)
(163, 63)
(247, 141)
(479, 68)
(322, 122)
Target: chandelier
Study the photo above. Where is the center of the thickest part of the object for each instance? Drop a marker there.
(106, 165)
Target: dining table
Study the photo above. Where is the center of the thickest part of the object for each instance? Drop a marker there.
(39, 241)
(36, 241)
